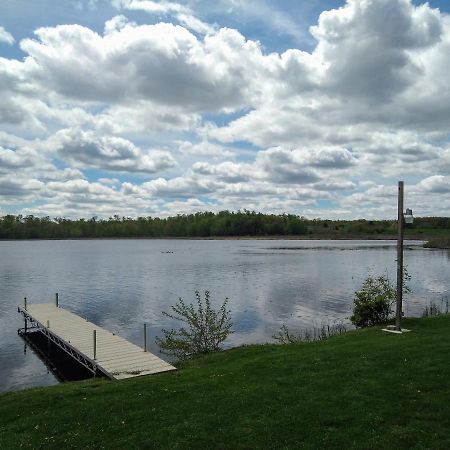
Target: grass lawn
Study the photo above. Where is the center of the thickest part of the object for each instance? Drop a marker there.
(364, 389)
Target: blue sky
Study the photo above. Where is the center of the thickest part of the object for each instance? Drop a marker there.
(141, 107)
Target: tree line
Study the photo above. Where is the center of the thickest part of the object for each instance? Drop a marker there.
(207, 224)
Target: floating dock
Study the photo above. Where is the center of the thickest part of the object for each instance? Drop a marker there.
(94, 347)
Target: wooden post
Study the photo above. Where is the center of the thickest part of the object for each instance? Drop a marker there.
(48, 323)
(145, 337)
(25, 303)
(95, 344)
(398, 314)
(57, 300)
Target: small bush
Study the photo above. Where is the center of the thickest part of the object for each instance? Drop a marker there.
(373, 304)
(204, 332)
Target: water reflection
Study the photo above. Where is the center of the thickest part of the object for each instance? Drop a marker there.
(120, 284)
(57, 362)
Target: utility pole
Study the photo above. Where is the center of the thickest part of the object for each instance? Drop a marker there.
(402, 218)
(399, 257)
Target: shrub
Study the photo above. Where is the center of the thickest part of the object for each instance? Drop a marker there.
(204, 331)
(374, 302)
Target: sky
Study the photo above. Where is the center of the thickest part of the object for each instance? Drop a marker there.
(156, 108)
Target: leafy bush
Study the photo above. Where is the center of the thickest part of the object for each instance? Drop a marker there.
(204, 331)
(374, 302)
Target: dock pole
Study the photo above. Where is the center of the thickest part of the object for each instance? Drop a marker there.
(145, 337)
(95, 344)
(25, 303)
(57, 300)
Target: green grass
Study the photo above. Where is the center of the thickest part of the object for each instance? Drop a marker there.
(363, 389)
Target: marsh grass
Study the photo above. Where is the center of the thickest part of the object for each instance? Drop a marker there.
(285, 336)
(438, 242)
(436, 309)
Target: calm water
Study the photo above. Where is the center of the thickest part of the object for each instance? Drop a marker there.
(120, 284)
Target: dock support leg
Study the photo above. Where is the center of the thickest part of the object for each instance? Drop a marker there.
(57, 300)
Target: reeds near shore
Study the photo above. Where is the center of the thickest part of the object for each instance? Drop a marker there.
(436, 309)
(438, 242)
(284, 336)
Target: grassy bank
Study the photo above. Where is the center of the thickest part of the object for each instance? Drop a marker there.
(363, 389)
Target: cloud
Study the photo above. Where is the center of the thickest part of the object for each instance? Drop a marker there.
(85, 149)
(377, 64)
(144, 117)
(193, 23)
(226, 171)
(19, 187)
(161, 63)
(179, 187)
(335, 185)
(284, 166)
(366, 46)
(204, 148)
(11, 160)
(6, 37)
(24, 161)
(182, 13)
(325, 158)
(153, 7)
(436, 184)
(17, 103)
(262, 11)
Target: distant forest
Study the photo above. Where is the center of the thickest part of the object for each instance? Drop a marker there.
(208, 225)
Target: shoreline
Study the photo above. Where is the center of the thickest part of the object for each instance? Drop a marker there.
(227, 238)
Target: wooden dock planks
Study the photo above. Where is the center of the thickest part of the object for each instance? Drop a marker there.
(115, 356)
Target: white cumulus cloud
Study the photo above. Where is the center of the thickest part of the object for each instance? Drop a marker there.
(6, 37)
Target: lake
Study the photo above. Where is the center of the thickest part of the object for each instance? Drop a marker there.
(120, 284)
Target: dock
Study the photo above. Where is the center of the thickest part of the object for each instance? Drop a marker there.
(97, 349)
